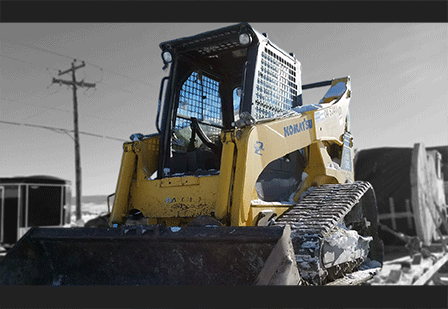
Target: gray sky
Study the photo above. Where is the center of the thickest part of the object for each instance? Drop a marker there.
(398, 71)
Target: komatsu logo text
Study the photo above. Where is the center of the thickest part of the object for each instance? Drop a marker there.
(298, 127)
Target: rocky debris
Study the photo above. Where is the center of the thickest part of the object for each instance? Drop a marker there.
(409, 270)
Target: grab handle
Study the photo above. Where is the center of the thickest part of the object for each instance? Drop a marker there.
(162, 84)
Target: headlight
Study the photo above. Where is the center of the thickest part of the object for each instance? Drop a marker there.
(167, 57)
(244, 39)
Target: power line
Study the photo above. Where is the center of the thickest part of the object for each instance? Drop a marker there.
(60, 110)
(98, 82)
(24, 61)
(38, 48)
(115, 88)
(70, 57)
(121, 74)
(61, 130)
(36, 105)
(73, 58)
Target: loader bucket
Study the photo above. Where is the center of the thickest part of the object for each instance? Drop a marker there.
(151, 255)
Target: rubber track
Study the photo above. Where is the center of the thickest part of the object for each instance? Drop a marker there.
(315, 215)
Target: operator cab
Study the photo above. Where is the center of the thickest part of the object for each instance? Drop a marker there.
(212, 81)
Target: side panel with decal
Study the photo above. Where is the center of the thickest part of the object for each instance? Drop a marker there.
(346, 161)
(259, 147)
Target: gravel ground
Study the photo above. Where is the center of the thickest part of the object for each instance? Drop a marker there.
(88, 212)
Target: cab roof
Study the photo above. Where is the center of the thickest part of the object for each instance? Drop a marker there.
(210, 37)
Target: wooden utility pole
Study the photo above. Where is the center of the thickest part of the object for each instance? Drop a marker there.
(74, 85)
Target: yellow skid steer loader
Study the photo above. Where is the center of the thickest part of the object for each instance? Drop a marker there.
(242, 184)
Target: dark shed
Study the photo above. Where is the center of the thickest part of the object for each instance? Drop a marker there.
(28, 201)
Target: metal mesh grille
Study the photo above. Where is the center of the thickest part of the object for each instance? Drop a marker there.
(276, 85)
(199, 98)
(223, 43)
(217, 48)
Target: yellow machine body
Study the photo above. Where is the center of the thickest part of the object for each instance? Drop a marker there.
(230, 196)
